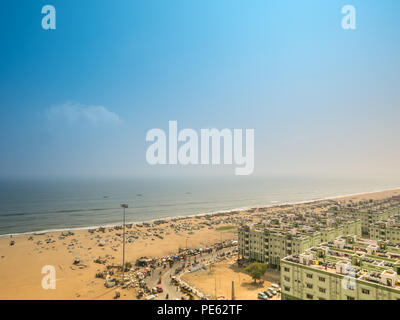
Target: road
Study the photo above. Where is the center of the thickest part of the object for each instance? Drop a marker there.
(169, 288)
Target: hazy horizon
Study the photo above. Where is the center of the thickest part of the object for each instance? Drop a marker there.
(53, 204)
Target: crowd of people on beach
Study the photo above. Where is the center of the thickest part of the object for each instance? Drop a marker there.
(184, 260)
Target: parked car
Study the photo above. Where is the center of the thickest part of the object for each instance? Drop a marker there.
(151, 297)
(268, 294)
(272, 290)
(262, 296)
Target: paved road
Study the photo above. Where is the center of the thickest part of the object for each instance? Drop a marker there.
(167, 273)
(169, 288)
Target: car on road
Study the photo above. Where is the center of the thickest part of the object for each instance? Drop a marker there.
(268, 294)
(151, 297)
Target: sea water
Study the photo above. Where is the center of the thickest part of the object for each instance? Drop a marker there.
(29, 205)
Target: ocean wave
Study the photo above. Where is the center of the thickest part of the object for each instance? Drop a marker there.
(54, 211)
(112, 224)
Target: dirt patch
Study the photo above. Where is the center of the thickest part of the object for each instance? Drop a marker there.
(217, 281)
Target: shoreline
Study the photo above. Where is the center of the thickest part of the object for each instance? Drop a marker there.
(22, 259)
(181, 217)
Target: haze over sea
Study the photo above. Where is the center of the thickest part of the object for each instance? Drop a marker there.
(28, 205)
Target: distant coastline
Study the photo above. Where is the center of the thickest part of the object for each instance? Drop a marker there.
(242, 209)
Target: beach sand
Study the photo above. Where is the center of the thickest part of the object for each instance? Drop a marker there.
(21, 264)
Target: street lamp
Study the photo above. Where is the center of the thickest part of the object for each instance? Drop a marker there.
(124, 206)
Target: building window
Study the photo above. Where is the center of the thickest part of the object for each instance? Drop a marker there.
(287, 289)
(309, 296)
(309, 285)
(350, 298)
(287, 279)
(309, 275)
(320, 298)
(323, 290)
(365, 291)
(287, 269)
(322, 279)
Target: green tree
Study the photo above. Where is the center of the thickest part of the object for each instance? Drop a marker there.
(275, 222)
(128, 266)
(256, 270)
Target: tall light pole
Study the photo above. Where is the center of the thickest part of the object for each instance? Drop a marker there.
(124, 206)
(215, 284)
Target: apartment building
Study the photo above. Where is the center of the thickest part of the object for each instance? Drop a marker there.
(270, 244)
(349, 268)
(388, 230)
(293, 231)
(371, 213)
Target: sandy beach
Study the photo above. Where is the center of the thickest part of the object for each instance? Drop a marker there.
(23, 257)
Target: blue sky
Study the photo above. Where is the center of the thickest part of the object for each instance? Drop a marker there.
(322, 100)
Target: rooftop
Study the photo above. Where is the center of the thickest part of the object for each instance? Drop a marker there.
(368, 262)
